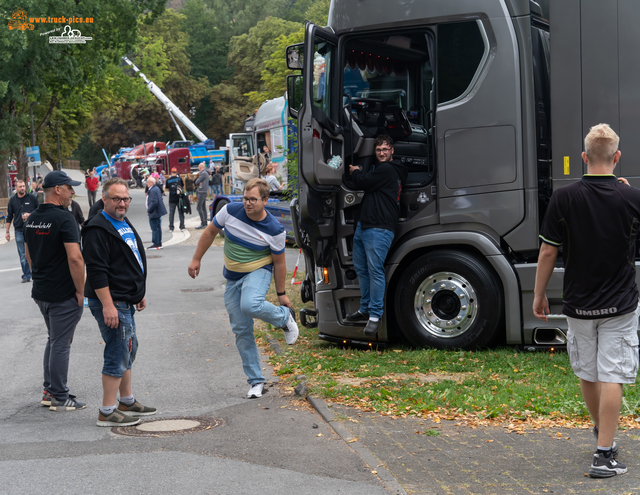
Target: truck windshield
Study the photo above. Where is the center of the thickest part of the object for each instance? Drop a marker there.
(242, 146)
(395, 68)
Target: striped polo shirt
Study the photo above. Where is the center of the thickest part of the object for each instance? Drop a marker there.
(249, 244)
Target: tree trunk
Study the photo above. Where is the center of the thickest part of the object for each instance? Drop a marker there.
(22, 163)
(4, 178)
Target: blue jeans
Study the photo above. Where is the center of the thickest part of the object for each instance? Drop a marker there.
(156, 230)
(245, 300)
(26, 270)
(215, 189)
(370, 248)
(120, 344)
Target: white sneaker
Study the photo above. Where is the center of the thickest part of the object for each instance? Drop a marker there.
(291, 328)
(255, 392)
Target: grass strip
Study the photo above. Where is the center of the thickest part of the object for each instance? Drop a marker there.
(516, 389)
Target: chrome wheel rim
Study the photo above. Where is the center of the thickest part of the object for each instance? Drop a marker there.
(446, 305)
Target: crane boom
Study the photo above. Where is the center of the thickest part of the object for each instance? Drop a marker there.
(173, 109)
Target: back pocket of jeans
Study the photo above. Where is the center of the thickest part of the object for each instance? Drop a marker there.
(574, 354)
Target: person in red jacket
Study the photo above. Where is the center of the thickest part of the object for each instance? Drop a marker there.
(91, 183)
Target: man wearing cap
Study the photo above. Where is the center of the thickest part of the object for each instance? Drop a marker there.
(52, 247)
(173, 183)
(20, 207)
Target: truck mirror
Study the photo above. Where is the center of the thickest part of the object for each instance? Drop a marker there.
(294, 95)
(295, 56)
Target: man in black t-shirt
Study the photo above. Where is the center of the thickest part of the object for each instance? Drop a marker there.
(176, 188)
(596, 222)
(379, 214)
(20, 207)
(52, 242)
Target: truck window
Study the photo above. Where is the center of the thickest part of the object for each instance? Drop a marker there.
(242, 146)
(461, 48)
(321, 69)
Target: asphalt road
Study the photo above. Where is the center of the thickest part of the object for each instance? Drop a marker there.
(187, 366)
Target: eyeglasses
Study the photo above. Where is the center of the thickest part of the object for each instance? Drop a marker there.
(120, 200)
(251, 201)
(382, 150)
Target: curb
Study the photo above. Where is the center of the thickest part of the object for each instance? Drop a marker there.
(389, 481)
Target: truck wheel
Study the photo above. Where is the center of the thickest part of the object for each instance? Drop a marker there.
(449, 300)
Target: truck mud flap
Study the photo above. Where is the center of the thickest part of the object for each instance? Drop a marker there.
(309, 318)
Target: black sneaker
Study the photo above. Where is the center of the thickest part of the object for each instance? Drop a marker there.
(371, 327)
(69, 404)
(614, 448)
(605, 467)
(357, 316)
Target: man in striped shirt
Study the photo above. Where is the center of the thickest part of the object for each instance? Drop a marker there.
(253, 251)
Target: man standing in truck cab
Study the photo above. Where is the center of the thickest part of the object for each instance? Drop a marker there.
(376, 228)
(596, 221)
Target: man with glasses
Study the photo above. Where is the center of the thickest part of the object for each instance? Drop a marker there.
(115, 288)
(52, 247)
(375, 230)
(253, 251)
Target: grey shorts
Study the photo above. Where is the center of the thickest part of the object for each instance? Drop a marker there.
(604, 350)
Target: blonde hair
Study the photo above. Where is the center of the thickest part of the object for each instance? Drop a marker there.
(601, 143)
(261, 184)
(269, 169)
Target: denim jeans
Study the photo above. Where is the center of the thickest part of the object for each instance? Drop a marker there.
(26, 270)
(61, 319)
(215, 189)
(370, 248)
(172, 213)
(120, 344)
(156, 230)
(245, 300)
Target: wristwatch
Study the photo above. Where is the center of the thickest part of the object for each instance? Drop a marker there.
(281, 293)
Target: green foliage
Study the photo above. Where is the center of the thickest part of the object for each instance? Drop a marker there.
(68, 80)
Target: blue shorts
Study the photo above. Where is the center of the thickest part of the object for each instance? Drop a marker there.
(121, 343)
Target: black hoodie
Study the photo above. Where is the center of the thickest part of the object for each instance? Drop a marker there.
(111, 262)
(382, 188)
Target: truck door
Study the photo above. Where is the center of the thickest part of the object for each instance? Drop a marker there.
(320, 142)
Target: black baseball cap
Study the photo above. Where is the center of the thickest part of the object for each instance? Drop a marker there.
(58, 178)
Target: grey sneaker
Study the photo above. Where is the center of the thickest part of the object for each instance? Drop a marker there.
(605, 467)
(136, 409)
(614, 447)
(69, 404)
(117, 418)
(256, 391)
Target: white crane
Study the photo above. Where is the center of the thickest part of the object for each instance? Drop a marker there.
(173, 109)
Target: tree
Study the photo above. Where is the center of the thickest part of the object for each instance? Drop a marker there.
(163, 47)
(34, 70)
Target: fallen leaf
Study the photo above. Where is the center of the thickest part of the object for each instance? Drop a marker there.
(352, 440)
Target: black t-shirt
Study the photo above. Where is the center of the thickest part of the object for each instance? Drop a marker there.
(45, 232)
(596, 221)
(19, 205)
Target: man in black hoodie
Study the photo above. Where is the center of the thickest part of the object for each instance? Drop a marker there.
(115, 287)
(376, 228)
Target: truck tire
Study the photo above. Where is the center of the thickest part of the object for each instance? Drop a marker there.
(449, 300)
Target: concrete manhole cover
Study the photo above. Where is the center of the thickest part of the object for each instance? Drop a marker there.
(201, 289)
(168, 426)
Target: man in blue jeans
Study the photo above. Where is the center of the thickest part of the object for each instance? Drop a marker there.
(375, 230)
(115, 287)
(253, 251)
(20, 207)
